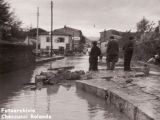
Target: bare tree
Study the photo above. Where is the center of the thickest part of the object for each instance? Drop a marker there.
(145, 26)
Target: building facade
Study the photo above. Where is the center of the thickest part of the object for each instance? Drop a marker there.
(61, 42)
(76, 35)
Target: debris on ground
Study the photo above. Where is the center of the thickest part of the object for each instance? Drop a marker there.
(54, 77)
(129, 81)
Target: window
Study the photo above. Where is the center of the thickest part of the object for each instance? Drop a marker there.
(60, 40)
(47, 47)
(48, 39)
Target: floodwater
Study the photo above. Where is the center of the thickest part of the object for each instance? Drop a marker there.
(58, 102)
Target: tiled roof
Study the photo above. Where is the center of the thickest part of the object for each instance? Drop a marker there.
(60, 33)
(33, 32)
(70, 31)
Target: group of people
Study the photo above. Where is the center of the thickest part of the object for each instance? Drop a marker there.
(112, 54)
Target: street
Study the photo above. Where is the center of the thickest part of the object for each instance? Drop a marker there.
(60, 102)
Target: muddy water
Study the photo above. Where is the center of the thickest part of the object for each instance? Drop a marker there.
(59, 102)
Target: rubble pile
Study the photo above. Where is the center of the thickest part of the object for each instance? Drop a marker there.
(58, 76)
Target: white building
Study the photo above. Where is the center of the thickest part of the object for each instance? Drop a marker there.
(60, 42)
(76, 34)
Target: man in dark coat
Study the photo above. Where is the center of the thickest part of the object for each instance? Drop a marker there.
(128, 51)
(112, 53)
(93, 57)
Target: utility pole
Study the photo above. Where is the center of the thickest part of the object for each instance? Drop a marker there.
(37, 43)
(73, 42)
(51, 26)
(159, 25)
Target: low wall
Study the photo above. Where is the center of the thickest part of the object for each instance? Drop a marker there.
(115, 97)
(43, 60)
(13, 57)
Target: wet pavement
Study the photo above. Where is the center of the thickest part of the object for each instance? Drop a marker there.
(47, 59)
(142, 92)
(61, 102)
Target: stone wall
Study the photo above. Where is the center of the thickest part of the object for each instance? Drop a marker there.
(13, 57)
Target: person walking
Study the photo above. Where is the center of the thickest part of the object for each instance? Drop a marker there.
(128, 52)
(93, 57)
(112, 53)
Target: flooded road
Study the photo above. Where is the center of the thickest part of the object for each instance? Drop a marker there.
(58, 102)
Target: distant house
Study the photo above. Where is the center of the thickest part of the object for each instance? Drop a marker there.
(76, 35)
(63, 39)
(88, 44)
(105, 36)
(61, 42)
(31, 38)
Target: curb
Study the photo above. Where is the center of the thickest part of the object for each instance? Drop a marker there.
(111, 96)
(49, 59)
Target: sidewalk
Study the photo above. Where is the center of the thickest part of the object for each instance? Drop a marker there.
(135, 65)
(134, 94)
(42, 60)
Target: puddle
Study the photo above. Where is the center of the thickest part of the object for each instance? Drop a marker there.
(63, 102)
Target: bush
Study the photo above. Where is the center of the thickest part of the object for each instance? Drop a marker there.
(146, 50)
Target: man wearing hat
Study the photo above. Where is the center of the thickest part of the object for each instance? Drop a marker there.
(112, 53)
(93, 57)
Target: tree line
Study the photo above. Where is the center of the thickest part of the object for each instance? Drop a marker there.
(147, 39)
(10, 25)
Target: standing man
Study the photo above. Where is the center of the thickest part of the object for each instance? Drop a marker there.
(112, 53)
(93, 57)
(128, 51)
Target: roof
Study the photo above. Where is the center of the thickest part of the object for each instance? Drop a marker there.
(33, 32)
(60, 33)
(68, 28)
(70, 31)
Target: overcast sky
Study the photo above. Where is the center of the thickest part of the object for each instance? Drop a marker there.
(91, 16)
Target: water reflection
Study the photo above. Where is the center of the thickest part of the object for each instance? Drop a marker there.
(52, 89)
(80, 63)
(62, 102)
(13, 82)
(98, 109)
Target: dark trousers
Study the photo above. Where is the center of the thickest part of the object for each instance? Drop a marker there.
(110, 65)
(111, 60)
(93, 63)
(127, 60)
